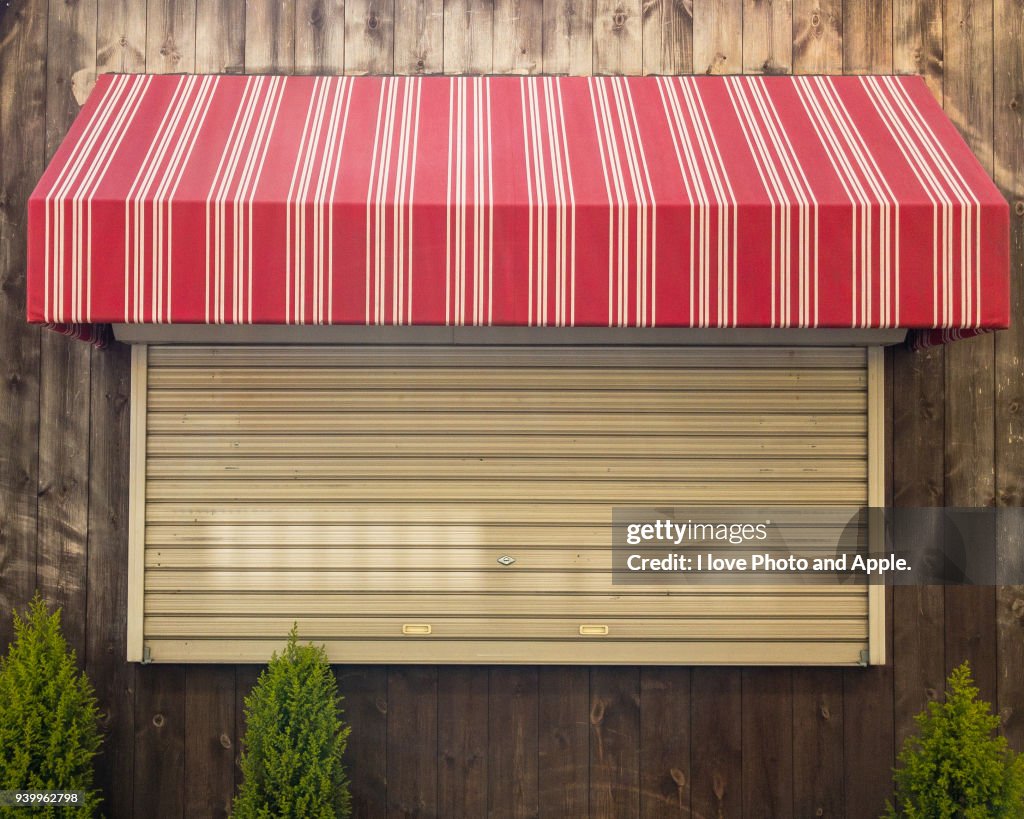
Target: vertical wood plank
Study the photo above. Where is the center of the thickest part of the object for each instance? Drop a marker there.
(615, 741)
(159, 741)
(618, 37)
(319, 36)
(22, 142)
(868, 745)
(120, 36)
(518, 36)
(63, 481)
(120, 46)
(970, 443)
(1008, 158)
(412, 741)
(563, 715)
(70, 66)
(716, 737)
(818, 742)
(419, 36)
(868, 742)
(107, 601)
(209, 740)
(269, 36)
(668, 37)
(468, 29)
(767, 707)
(369, 36)
(664, 742)
(220, 37)
(568, 37)
(365, 692)
(717, 36)
(867, 36)
(462, 727)
(767, 36)
(246, 677)
(159, 769)
(512, 786)
(817, 36)
(170, 36)
(917, 40)
(918, 611)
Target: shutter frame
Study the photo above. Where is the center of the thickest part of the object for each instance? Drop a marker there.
(175, 636)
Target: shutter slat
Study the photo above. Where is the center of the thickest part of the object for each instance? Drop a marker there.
(361, 490)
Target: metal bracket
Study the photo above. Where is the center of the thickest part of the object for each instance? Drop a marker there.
(863, 662)
(147, 656)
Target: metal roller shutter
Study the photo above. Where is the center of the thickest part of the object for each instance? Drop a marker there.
(367, 493)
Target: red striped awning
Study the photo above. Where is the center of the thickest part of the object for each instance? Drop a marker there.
(749, 202)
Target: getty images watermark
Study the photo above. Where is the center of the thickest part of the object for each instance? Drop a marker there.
(817, 545)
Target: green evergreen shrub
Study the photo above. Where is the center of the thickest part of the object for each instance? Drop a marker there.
(49, 721)
(294, 740)
(957, 768)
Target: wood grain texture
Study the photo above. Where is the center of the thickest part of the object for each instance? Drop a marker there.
(919, 415)
(970, 378)
(246, 677)
(369, 36)
(817, 36)
(614, 742)
(867, 37)
(563, 746)
(221, 37)
(23, 37)
(159, 769)
(210, 740)
(717, 36)
(618, 37)
(120, 36)
(716, 732)
(767, 36)
(412, 742)
(1008, 125)
(170, 36)
(105, 648)
(64, 373)
(664, 742)
(518, 37)
(512, 774)
(818, 765)
(918, 611)
(917, 40)
(868, 741)
(462, 741)
(365, 707)
(419, 36)
(468, 36)
(568, 37)
(668, 36)
(319, 36)
(768, 766)
(269, 36)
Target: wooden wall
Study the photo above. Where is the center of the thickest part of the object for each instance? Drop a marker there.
(516, 742)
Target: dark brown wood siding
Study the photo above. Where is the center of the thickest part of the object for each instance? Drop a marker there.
(558, 742)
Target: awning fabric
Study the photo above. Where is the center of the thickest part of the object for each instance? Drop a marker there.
(747, 202)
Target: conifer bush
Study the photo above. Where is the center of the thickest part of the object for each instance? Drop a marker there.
(49, 721)
(957, 767)
(294, 740)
